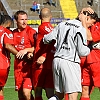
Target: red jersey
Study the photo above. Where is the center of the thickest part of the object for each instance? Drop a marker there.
(94, 55)
(24, 39)
(6, 36)
(43, 29)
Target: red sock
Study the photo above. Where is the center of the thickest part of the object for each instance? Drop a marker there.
(1, 97)
(66, 96)
(83, 98)
(38, 98)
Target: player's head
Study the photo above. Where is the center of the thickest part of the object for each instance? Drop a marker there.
(45, 14)
(6, 21)
(21, 18)
(91, 18)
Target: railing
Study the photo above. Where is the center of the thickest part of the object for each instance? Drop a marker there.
(8, 9)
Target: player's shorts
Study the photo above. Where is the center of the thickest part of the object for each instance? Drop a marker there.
(67, 76)
(22, 74)
(42, 78)
(3, 76)
(91, 73)
(26, 83)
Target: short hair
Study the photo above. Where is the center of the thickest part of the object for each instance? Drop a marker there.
(5, 19)
(1, 18)
(20, 12)
(45, 13)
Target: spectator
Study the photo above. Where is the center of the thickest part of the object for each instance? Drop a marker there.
(6, 39)
(42, 76)
(70, 46)
(38, 8)
(90, 2)
(51, 2)
(34, 6)
(24, 42)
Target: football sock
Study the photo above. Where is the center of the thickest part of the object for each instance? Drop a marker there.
(1, 97)
(66, 96)
(83, 98)
(38, 98)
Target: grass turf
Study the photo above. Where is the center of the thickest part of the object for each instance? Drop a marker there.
(11, 94)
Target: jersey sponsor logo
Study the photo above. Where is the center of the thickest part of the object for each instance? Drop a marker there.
(22, 40)
(72, 24)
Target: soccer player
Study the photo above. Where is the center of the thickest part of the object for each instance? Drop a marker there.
(71, 44)
(42, 76)
(24, 42)
(91, 65)
(6, 39)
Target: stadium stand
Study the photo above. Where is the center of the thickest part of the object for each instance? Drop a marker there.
(69, 8)
(63, 10)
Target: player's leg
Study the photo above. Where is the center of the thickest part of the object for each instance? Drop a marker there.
(49, 83)
(38, 93)
(27, 87)
(73, 96)
(85, 95)
(3, 79)
(37, 81)
(1, 93)
(49, 92)
(71, 80)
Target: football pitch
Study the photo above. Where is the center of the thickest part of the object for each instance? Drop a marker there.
(11, 94)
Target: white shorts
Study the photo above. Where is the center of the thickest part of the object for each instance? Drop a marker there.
(67, 76)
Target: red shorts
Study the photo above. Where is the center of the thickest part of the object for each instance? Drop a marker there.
(42, 78)
(25, 84)
(3, 76)
(22, 73)
(91, 74)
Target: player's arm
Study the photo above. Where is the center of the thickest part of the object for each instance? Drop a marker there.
(23, 52)
(82, 43)
(11, 48)
(51, 36)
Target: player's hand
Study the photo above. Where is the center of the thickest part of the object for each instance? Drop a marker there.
(88, 9)
(41, 60)
(30, 55)
(21, 54)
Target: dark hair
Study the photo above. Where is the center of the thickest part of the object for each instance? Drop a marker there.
(93, 16)
(20, 12)
(1, 18)
(5, 19)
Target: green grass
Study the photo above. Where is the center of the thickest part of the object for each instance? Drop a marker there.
(11, 94)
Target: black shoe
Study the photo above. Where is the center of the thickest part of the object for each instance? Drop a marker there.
(89, 3)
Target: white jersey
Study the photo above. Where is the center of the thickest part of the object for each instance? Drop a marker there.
(71, 40)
